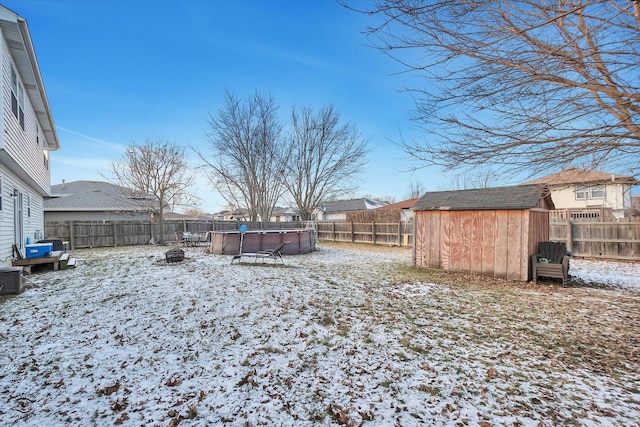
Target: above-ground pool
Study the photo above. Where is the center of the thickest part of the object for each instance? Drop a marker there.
(301, 241)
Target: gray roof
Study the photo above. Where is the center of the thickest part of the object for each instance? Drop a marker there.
(583, 176)
(96, 196)
(77, 187)
(351, 205)
(282, 211)
(513, 197)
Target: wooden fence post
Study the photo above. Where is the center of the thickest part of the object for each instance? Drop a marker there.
(353, 236)
(333, 231)
(115, 234)
(569, 235)
(373, 233)
(72, 235)
(400, 233)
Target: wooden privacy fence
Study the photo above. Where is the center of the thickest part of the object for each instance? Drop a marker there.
(607, 240)
(96, 234)
(399, 233)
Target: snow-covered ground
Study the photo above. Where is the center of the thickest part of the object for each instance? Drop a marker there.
(622, 275)
(346, 335)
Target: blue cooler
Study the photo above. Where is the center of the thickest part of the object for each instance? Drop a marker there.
(38, 250)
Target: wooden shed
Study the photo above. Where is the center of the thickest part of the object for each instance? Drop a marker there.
(489, 231)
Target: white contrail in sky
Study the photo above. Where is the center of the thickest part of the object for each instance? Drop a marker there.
(95, 140)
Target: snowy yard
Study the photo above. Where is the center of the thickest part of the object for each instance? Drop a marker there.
(346, 335)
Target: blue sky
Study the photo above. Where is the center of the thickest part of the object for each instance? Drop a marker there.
(121, 71)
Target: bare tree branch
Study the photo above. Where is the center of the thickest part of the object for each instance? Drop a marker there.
(157, 167)
(248, 155)
(325, 157)
(537, 84)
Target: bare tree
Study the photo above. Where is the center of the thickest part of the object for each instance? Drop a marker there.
(416, 190)
(539, 84)
(325, 157)
(477, 178)
(248, 155)
(157, 167)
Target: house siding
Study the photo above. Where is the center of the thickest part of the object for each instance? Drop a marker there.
(22, 156)
(6, 216)
(616, 197)
(21, 144)
(338, 216)
(33, 225)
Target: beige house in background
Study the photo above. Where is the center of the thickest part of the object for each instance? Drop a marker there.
(580, 189)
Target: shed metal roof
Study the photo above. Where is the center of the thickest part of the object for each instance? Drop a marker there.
(512, 197)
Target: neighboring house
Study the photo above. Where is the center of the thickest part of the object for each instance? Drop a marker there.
(406, 209)
(336, 210)
(231, 215)
(285, 215)
(97, 201)
(579, 189)
(27, 135)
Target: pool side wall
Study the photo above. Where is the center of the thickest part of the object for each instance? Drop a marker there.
(228, 242)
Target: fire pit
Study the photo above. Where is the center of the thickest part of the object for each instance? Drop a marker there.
(175, 255)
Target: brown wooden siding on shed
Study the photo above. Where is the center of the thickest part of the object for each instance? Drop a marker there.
(496, 243)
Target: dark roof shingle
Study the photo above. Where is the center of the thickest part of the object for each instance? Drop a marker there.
(513, 197)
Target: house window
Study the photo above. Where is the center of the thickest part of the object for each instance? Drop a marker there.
(17, 98)
(597, 192)
(584, 192)
(14, 91)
